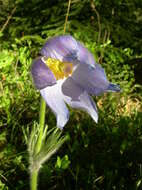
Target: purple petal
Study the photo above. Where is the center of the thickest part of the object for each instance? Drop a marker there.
(67, 49)
(77, 97)
(84, 56)
(92, 79)
(114, 88)
(54, 99)
(41, 74)
(63, 48)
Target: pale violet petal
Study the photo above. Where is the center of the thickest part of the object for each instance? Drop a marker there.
(114, 88)
(67, 49)
(77, 97)
(41, 74)
(63, 48)
(84, 56)
(54, 99)
(92, 79)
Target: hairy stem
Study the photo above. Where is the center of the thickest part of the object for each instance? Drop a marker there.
(34, 174)
(41, 123)
(34, 177)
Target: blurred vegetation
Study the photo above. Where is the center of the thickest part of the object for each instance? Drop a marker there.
(102, 156)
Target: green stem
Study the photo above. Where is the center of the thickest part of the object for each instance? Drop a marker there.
(34, 177)
(41, 123)
(34, 174)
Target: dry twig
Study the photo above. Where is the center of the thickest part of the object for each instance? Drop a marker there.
(8, 19)
(66, 19)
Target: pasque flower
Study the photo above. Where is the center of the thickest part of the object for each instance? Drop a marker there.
(66, 73)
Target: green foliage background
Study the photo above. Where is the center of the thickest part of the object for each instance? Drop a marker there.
(95, 157)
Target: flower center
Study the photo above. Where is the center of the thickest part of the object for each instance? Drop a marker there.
(59, 69)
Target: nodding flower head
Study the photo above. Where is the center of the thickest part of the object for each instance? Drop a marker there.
(66, 73)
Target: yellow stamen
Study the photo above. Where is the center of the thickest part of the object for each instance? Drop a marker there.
(59, 69)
